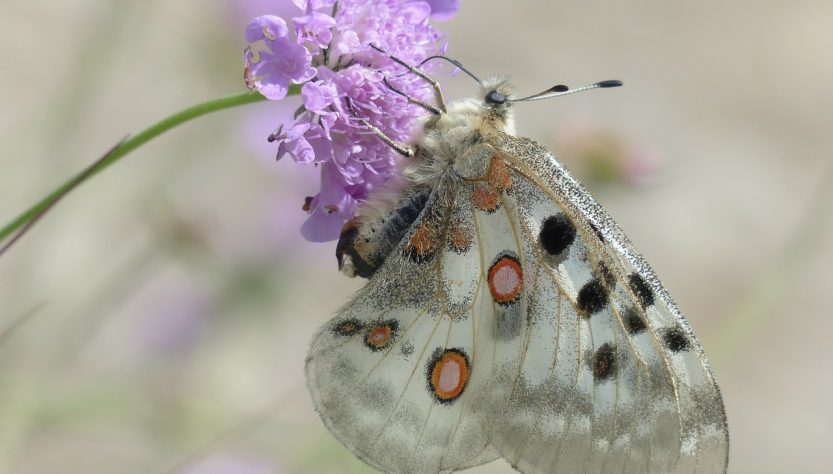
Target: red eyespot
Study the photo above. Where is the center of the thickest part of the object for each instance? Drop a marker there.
(448, 374)
(380, 335)
(506, 279)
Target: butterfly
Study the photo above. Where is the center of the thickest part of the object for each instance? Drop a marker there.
(507, 316)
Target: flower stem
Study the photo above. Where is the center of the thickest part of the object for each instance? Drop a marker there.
(125, 147)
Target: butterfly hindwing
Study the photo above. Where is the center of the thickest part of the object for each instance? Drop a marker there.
(393, 375)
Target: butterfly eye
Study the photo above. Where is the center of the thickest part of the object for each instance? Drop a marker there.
(495, 98)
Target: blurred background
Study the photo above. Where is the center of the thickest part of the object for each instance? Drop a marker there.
(157, 320)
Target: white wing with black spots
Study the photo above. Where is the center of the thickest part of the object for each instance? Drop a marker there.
(655, 405)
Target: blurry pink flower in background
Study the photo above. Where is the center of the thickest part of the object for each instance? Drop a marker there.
(335, 39)
(603, 156)
(227, 464)
(173, 317)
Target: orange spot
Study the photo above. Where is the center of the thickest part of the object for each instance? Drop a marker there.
(460, 239)
(506, 280)
(499, 174)
(449, 375)
(422, 242)
(380, 335)
(485, 198)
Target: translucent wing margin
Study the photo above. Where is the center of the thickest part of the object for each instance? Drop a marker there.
(629, 388)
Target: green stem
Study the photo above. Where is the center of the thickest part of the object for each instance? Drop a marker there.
(129, 145)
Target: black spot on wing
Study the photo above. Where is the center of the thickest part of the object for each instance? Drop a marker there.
(592, 298)
(633, 321)
(557, 233)
(604, 363)
(348, 327)
(641, 289)
(675, 339)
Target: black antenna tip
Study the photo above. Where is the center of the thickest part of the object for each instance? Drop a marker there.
(610, 83)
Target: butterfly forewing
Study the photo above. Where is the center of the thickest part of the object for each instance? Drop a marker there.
(677, 414)
(597, 385)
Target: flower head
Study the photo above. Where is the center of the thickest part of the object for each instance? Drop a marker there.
(333, 54)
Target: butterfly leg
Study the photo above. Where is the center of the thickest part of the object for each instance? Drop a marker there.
(413, 100)
(403, 150)
(438, 92)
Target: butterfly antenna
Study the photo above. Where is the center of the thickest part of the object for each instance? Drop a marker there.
(456, 63)
(561, 89)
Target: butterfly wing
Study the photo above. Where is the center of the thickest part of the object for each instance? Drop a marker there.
(514, 319)
(395, 375)
(611, 377)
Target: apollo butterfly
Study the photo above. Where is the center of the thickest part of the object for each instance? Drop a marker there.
(507, 316)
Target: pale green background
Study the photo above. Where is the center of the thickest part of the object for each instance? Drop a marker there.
(170, 300)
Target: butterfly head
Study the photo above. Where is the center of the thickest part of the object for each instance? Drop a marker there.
(497, 93)
(497, 99)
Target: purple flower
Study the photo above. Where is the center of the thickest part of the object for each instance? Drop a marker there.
(281, 62)
(312, 5)
(331, 55)
(315, 28)
(443, 9)
(318, 96)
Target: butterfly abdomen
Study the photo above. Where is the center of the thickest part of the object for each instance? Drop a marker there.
(367, 240)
